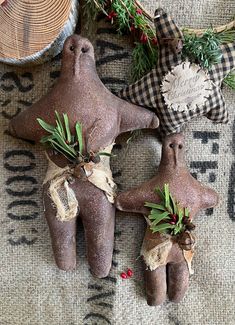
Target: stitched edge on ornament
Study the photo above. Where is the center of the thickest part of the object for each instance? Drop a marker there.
(186, 87)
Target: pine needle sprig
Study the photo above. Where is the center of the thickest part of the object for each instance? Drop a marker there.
(168, 217)
(63, 141)
(129, 16)
(143, 60)
(204, 50)
(227, 36)
(229, 80)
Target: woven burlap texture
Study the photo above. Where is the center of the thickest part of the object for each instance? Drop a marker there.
(32, 290)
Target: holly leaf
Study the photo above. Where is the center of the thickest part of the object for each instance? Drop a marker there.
(78, 128)
(173, 204)
(46, 126)
(155, 206)
(58, 119)
(167, 195)
(162, 227)
(160, 193)
(66, 123)
(159, 217)
(186, 212)
(180, 215)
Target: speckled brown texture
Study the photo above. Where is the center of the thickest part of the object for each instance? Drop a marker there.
(173, 278)
(80, 93)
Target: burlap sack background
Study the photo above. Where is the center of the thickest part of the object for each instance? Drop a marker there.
(32, 290)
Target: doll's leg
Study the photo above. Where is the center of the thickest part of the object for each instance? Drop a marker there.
(98, 217)
(63, 236)
(99, 233)
(155, 283)
(177, 280)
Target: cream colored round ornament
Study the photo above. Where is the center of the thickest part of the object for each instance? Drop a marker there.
(186, 87)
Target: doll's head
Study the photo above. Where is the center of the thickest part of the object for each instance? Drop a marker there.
(77, 57)
(173, 151)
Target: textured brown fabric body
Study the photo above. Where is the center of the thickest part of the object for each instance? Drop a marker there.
(189, 193)
(33, 291)
(80, 93)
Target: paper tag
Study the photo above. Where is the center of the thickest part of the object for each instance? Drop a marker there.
(186, 87)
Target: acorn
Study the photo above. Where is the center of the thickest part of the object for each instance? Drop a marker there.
(188, 224)
(79, 172)
(186, 240)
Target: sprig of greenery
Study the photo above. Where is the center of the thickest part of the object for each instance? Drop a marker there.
(129, 17)
(204, 50)
(229, 80)
(167, 217)
(144, 59)
(63, 141)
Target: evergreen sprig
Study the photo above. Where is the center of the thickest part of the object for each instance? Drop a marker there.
(204, 49)
(229, 80)
(144, 59)
(129, 17)
(63, 141)
(168, 216)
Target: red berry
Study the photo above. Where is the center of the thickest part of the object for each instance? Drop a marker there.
(143, 38)
(139, 11)
(132, 28)
(129, 272)
(112, 14)
(123, 275)
(174, 217)
(154, 41)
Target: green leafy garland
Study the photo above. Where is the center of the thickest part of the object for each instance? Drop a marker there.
(130, 17)
(168, 216)
(63, 141)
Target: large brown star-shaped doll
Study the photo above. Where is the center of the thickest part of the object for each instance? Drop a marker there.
(179, 90)
(168, 256)
(83, 187)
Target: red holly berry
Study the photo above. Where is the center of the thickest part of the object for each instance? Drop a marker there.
(139, 11)
(129, 272)
(132, 28)
(123, 275)
(143, 38)
(154, 41)
(112, 15)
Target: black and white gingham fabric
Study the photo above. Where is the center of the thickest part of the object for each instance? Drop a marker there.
(147, 91)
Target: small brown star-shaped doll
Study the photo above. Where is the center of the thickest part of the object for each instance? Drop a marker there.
(179, 90)
(81, 188)
(166, 256)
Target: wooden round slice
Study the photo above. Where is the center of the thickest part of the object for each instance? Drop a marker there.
(33, 31)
